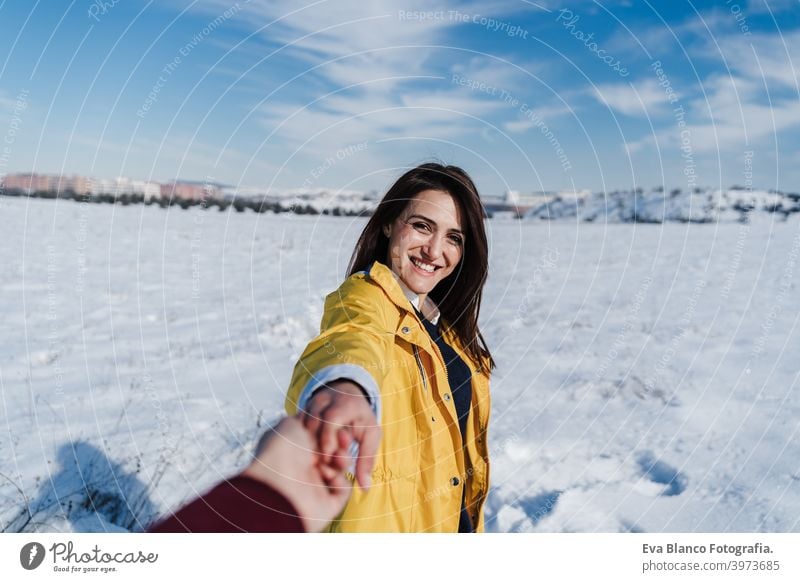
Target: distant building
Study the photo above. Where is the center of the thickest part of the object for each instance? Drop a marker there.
(190, 190)
(28, 183)
(516, 203)
(539, 197)
(76, 184)
(101, 186)
(124, 185)
(149, 190)
(32, 182)
(533, 199)
(234, 192)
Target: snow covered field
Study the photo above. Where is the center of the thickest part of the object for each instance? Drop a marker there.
(647, 374)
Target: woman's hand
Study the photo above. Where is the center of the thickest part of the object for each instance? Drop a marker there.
(342, 406)
(287, 460)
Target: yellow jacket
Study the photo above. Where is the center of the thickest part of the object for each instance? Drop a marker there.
(370, 334)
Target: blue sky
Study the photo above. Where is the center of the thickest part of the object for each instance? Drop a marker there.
(341, 94)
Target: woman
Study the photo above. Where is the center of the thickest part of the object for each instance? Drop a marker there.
(399, 347)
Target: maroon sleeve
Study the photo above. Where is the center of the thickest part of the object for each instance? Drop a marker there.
(240, 504)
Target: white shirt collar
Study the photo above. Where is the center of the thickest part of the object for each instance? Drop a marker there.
(414, 299)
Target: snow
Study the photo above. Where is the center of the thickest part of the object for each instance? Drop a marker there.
(675, 206)
(646, 374)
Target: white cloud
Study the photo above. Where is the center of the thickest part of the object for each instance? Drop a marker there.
(505, 73)
(773, 58)
(638, 145)
(344, 119)
(367, 38)
(738, 115)
(767, 6)
(757, 99)
(347, 42)
(636, 100)
(458, 102)
(389, 74)
(544, 113)
(732, 117)
(10, 104)
(744, 104)
(6, 104)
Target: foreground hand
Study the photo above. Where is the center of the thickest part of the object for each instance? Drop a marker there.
(286, 459)
(342, 407)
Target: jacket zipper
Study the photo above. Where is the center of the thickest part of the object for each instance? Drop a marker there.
(421, 368)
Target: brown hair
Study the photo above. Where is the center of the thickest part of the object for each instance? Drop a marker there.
(459, 295)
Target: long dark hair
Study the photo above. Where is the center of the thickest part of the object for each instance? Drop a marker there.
(459, 295)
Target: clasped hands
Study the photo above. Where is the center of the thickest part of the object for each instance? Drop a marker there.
(305, 457)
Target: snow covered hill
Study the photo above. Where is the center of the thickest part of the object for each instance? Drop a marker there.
(647, 374)
(676, 206)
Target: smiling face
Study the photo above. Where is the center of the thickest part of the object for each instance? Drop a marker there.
(426, 241)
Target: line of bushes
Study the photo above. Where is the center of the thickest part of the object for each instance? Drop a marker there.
(238, 204)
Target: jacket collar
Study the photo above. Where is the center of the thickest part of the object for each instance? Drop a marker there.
(390, 283)
(397, 291)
